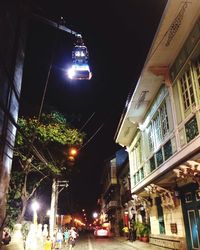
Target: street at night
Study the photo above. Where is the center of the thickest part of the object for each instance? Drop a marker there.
(89, 242)
(99, 125)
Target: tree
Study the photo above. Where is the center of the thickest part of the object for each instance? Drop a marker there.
(51, 136)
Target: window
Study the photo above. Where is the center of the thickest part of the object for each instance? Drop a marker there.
(152, 163)
(187, 90)
(167, 148)
(137, 177)
(138, 153)
(191, 129)
(197, 70)
(134, 180)
(159, 157)
(164, 120)
(150, 137)
(142, 173)
(158, 128)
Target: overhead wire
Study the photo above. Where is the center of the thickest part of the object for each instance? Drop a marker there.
(86, 122)
(92, 136)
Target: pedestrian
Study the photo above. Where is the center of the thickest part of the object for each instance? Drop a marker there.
(66, 236)
(72, 237)
(71, 242)
(48, 244)
(73, 233)
(59, 239)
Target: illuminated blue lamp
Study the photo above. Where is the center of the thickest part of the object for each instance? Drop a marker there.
(80, 69)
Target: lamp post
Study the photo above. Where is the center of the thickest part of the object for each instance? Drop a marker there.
(35, 207)
(54, 203)
(80, 70)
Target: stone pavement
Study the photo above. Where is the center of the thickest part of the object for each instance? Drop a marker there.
(139, 245)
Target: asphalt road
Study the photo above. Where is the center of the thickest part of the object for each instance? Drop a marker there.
(88, 242)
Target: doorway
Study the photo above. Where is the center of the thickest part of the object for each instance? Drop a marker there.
(190, 197)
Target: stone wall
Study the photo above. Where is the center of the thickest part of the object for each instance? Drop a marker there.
(168, 242)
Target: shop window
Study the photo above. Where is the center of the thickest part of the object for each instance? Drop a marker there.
(191, 129)
(167, 148)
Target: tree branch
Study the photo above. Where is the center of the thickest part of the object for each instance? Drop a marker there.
(36, 186)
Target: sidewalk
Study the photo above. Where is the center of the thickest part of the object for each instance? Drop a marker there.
(139, 245)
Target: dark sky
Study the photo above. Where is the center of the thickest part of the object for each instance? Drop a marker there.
(118, 35)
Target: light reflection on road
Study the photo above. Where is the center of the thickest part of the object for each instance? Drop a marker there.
(88, 242)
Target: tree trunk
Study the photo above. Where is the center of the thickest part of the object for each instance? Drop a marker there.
(21, 215)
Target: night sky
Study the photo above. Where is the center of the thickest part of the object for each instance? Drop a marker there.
(118, 35)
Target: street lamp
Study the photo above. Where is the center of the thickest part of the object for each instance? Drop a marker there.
(95, 215)
(35, 206)
(80, 69)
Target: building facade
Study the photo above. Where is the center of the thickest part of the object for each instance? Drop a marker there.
(125, 199)
(109, 197)
(161, 130)
(114, 193)
(12, 46)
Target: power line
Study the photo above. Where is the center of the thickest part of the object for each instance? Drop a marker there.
(87, 121)
(92, 136)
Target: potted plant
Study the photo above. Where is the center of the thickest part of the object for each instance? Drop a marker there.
(139, 229)
(145, 232)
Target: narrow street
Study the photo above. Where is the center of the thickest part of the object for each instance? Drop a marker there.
(88, 242)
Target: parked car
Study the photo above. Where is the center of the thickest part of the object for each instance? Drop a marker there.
(101, 232)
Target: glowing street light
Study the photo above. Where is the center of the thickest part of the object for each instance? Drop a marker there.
(35, 206)
(73, 151)
(95, 215)
(80, 69)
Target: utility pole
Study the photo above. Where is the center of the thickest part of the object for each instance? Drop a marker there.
(52, 217)
(54, 203)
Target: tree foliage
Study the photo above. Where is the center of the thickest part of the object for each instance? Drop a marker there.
(51, 136)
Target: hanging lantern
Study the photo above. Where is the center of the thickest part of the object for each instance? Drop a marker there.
(80, 69)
